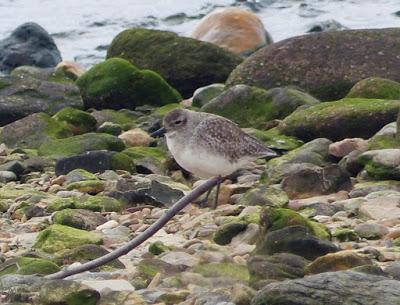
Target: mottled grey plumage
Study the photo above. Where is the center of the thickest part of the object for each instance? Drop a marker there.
(209, 145)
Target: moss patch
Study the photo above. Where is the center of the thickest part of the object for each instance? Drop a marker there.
(77, 120)
(28, 265)
(376, 88)
(226, 270)
(273, 138)
(123, 162)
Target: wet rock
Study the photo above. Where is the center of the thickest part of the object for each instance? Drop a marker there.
(371, 230)
(116, 84)
(95, 162)
(254, 107)
(186, 64)
(383, 164)
(278, 267)
(330, 77)
(205, 94)
(58, 237)
(376, 88)
(342, 260)
(346, 118)
(234, 29)
(326, 26)
(344, 286)
(80, 144)
(67, 292)
(296, 240)
(78, 218)
(310, 180)
(346, 146)
(20, 97)
(31, 45)
(265, 195)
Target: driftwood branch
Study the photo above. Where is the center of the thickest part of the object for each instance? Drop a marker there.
(150, 231)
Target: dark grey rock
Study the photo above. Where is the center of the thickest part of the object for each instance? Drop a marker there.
(30, 45)
(332, 288)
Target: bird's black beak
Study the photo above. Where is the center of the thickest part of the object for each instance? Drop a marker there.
(158, 133)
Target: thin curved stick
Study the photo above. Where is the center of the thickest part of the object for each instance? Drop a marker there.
(150, 231)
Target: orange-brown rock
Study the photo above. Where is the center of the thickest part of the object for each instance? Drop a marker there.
(234, 29)
(71, 69)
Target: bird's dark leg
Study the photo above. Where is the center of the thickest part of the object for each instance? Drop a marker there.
(217, 193)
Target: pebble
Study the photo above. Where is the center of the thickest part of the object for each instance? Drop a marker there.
(108, 225)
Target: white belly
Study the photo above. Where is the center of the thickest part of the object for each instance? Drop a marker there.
(200, 162)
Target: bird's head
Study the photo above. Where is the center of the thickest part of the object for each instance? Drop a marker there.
(175, 120)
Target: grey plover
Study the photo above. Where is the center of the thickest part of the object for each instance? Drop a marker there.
(209, 145)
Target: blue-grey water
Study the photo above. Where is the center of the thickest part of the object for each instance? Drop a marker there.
(83, 28)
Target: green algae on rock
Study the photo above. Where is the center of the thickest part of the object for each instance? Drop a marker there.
(148, 159)
(32, 131)
(28, 265)
(96, 203)
(79, 219)
(346, 118)
(232, 271)
(187, 64)
(124, 117)
(385, 138)
(227, 231)
(255, 107)
(274, 139)
(116, 83)
(205, 94)
(382, 164)
(58, 237)
(79, 144)
(158, 247)
(376, 88)
(265, 195)
(77, 120)
(89, 186)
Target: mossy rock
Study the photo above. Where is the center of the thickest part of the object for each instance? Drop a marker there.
(376, 88)
(187, 64)
(99, 204)
(58, 237)
(27, 266)
(77, 120)
(125, 118)
(116, 84)
(255, 107)
(12, 192)
(148, 159)
(158, 247)
(121, 161)
(86, 253)
(230, 271)
(345, 234)
(385, 138)
(163, 110)
(274, 139)
(89, 186)
(225, 233)
(346, 118)
(265, 195)
(79, 144)
(273, 219)
(110, 128)
(79, 174)
(362, 189)
(32, 131)
(60, 204)
(64, 292)
(79, 219)
(205, 94)
(381, 164)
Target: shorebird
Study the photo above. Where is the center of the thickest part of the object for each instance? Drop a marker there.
(208, 145)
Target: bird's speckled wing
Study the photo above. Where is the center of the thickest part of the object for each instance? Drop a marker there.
(224, 137)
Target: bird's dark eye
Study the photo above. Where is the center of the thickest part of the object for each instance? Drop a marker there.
(178, 122)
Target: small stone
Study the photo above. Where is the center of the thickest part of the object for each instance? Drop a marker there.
(135, 137)
(371, 230)
(108, 225)
(346, 146)
(7, 176)
(177, 258)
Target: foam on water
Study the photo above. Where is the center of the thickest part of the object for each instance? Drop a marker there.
(83, 28)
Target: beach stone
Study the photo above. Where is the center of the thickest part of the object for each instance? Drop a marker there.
(226, 232)
(77, 175)
(274, 139)
(28, 265)
(342, 260)
(330, 77)
(383, 164)
(125, 118)
(148, 160)
(80, 144)
(176, 258)
(295, 239)
(110, 128)
(31, 45)
(345, 287)
(77, 120)
(393, 270)
(58, 237)
(235, 29)
(309, 180)
(67, 292)
(346, 146)
(346, 118)
(186, 64)
(205, 94)
(121, 298)
(32, 131)
(385, 138)
(116, 84)
(7, 176)
(265, 269)
(371, 230)
(254, 107)
(78, 218)
(71, 69)
(265, 195)
(326, 26)
(376, 88)
(97, 161)
(135, 137)
(364, 188)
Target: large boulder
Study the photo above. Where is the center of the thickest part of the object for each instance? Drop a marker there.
(324, 64)
(346, 118)
(237, 30)
(31, 45)
(22, 96)
(254, 107)
(116, 83)
(331, 288)
(186, 64)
